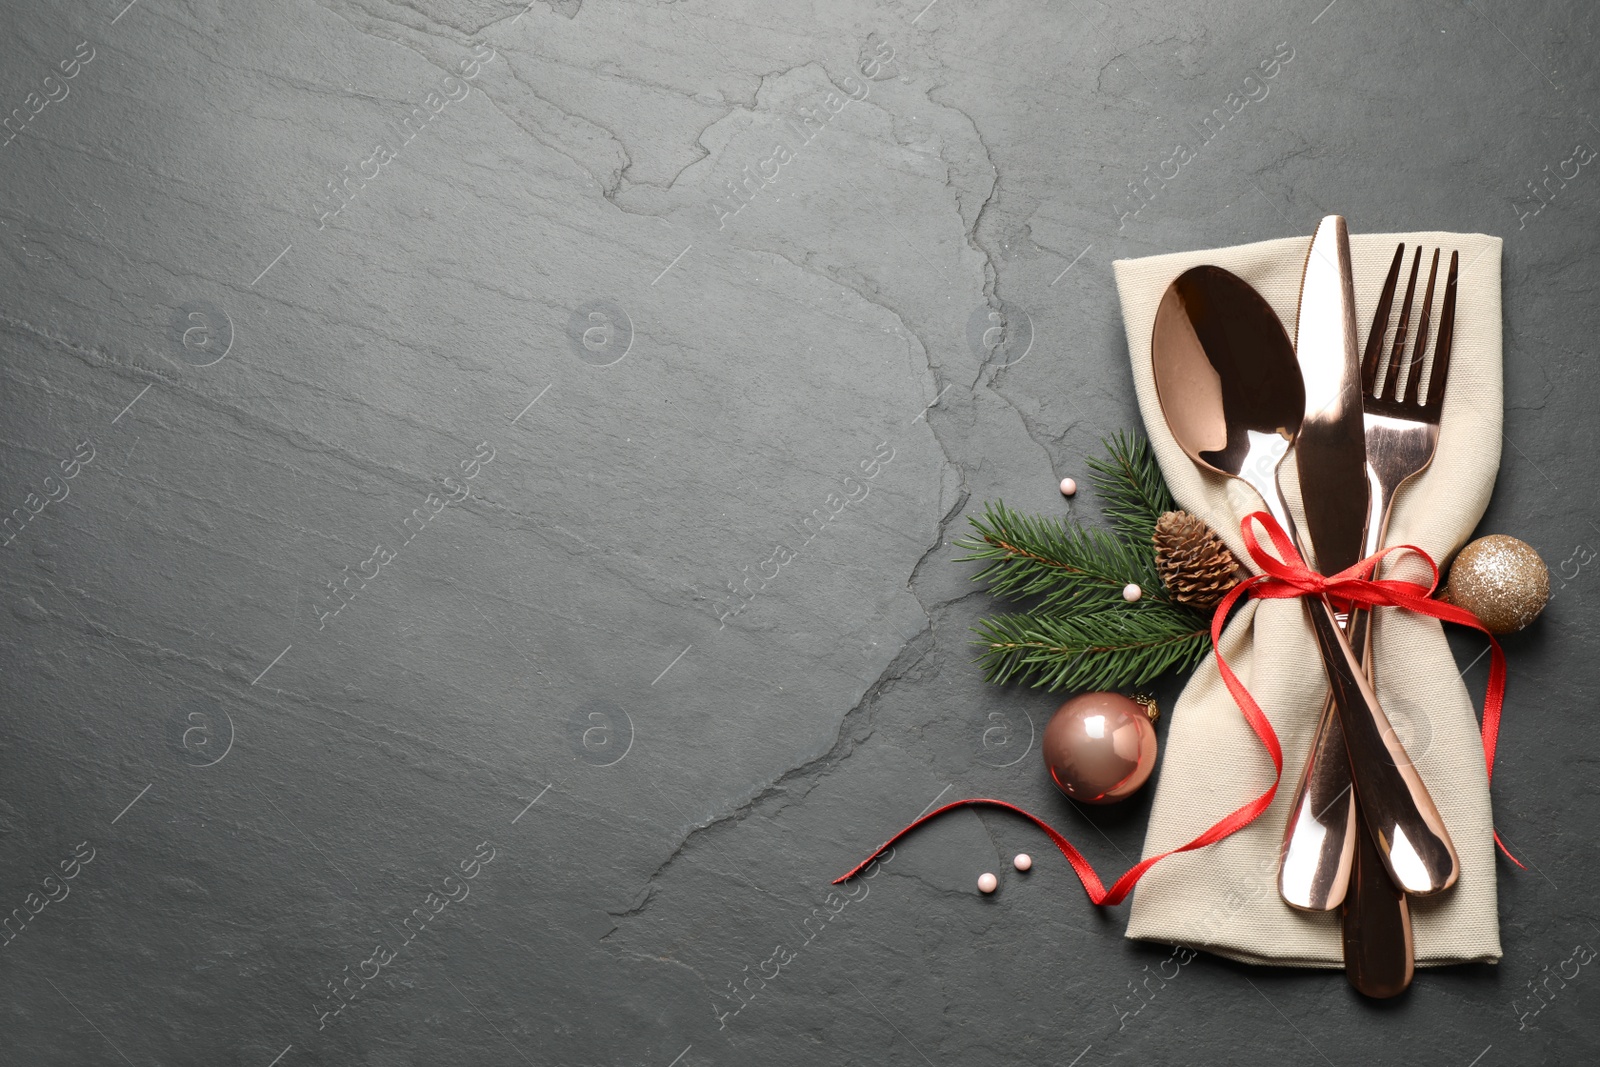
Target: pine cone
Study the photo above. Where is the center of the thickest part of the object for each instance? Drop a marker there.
(1196, 566)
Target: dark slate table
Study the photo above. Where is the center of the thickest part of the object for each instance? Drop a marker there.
(505, 570)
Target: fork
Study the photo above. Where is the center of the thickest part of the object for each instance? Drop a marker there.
(1402, 431)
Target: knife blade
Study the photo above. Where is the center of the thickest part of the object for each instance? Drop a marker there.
(1330, 457)
(1332, 446)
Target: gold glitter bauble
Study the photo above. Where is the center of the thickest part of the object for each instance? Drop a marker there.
(1500, 580)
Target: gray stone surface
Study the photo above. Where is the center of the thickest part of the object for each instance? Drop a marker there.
(270, 390)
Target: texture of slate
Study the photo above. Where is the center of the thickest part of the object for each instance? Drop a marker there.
(544, 684)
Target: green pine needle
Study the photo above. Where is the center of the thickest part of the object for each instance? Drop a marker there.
(1112, 649)
(1075, 630)
(1069, 568)
(1129, 481)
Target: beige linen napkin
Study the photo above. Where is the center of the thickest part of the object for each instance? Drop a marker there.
(1225, 898)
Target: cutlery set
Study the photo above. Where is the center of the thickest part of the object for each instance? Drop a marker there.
(1363, 833)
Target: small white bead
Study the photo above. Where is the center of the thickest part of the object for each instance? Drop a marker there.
(1068, 487)
(1132, 592)
(1022, 862)
(987, 883)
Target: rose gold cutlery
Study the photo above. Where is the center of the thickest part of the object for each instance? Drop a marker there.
(1406, 827)
(1317, 849)
(1401, 429)
(1235, 394)
(1227, 380)
(1401, 432)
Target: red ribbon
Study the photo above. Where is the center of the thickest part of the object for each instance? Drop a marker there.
(1283, 577)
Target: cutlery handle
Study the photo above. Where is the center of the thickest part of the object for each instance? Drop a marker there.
(1320, 840)
(1331, 862)
(1379, 957)
(1410, 836)
(1378, 951)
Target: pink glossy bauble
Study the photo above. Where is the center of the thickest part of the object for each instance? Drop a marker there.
(1099, 747)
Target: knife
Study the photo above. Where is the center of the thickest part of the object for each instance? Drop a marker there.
(1329, 854)
(1330, 456)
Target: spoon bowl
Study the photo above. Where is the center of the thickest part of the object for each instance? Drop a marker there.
(1227, 379)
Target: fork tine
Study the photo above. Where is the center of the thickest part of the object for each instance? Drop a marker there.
(1419, 350)
(1380, 325)
(1392, 382)
(1441, 356)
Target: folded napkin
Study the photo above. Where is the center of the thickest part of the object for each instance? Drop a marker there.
(1225, 898)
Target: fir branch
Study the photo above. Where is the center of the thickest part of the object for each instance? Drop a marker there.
(1111, 649)
(1076, 631)
(1070, 568)
(1131, 486)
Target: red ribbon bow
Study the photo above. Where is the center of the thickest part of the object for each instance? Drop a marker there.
(1283, 577)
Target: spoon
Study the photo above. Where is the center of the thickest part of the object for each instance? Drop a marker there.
(1232, 393)
(1226, 376)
